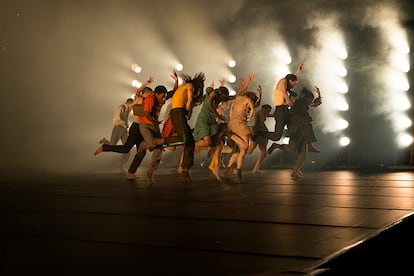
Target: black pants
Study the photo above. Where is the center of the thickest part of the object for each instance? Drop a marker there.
(134, 138)
(184, 136)
(282, 117)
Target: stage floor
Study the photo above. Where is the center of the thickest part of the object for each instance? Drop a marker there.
(102, 224)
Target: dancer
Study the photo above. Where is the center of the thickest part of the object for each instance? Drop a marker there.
(206, 125)
(237, 154)
(260, 131)
(207, 133)
(223, 109)
(134, 135)
(183, 100)
(120, 128)
(242, 112)
(150, 130)
(301, 130)
(282, 101)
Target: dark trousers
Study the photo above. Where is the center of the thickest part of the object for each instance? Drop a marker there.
(184, 136)
(134, 138)
(282, 116)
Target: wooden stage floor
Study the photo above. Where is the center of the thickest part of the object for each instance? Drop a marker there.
(99, 223)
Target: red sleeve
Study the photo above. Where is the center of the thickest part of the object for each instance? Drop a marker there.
(149, 102)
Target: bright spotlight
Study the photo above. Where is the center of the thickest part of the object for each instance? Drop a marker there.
(400, 102)
(232, 78)
(136, 84)
(400, 61)
(136, 68)
(402, 122)
(179, 67)
(342, 105)
(405, 86)
(283, 55)
(342, 88)
(404, 139)
(287, 59)
(342, 124)
(342, 71)
(232, 63)
(343, 55)
(232, 92)
(405, 49)
(341, 52)
(344, 141)
(285, 140)
(399, 39)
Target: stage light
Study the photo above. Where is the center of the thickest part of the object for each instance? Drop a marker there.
(136, 84)
(402, 122)
(400, 61)
(342, 87)
(344, 141)
(400, 102)
(404, 85)
(232, 92)
(286, 59)
(342, 54)
(136, 68)
(232, 63)
(232, 78)
(341, 104)
(342, 72)
(282, 54)
(400, 80)
(404, 139)
(397, 38)
(179, 67)
(342, 124)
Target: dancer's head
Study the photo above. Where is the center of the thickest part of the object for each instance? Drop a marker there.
(307, 95)
(198, 85)
(292, 80)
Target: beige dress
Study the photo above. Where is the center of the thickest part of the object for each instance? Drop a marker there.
(238, 117)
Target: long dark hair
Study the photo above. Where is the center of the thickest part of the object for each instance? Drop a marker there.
(305, 93)
(198, 83)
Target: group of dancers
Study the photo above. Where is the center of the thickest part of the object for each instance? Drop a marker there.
(223, 123)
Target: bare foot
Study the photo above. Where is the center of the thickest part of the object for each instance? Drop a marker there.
(131, 176)
(187, 177)
(150, 177)
(257, 171)
(98, 150)
(312, 148)
(180, 169)
(297, 176)
(216, 173)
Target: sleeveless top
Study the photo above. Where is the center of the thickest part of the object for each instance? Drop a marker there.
(124, 114)
(179, 99)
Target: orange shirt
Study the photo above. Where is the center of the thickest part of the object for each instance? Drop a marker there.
(150, 106)
(179, 98)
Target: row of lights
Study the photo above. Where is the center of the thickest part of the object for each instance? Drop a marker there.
(332, 55)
